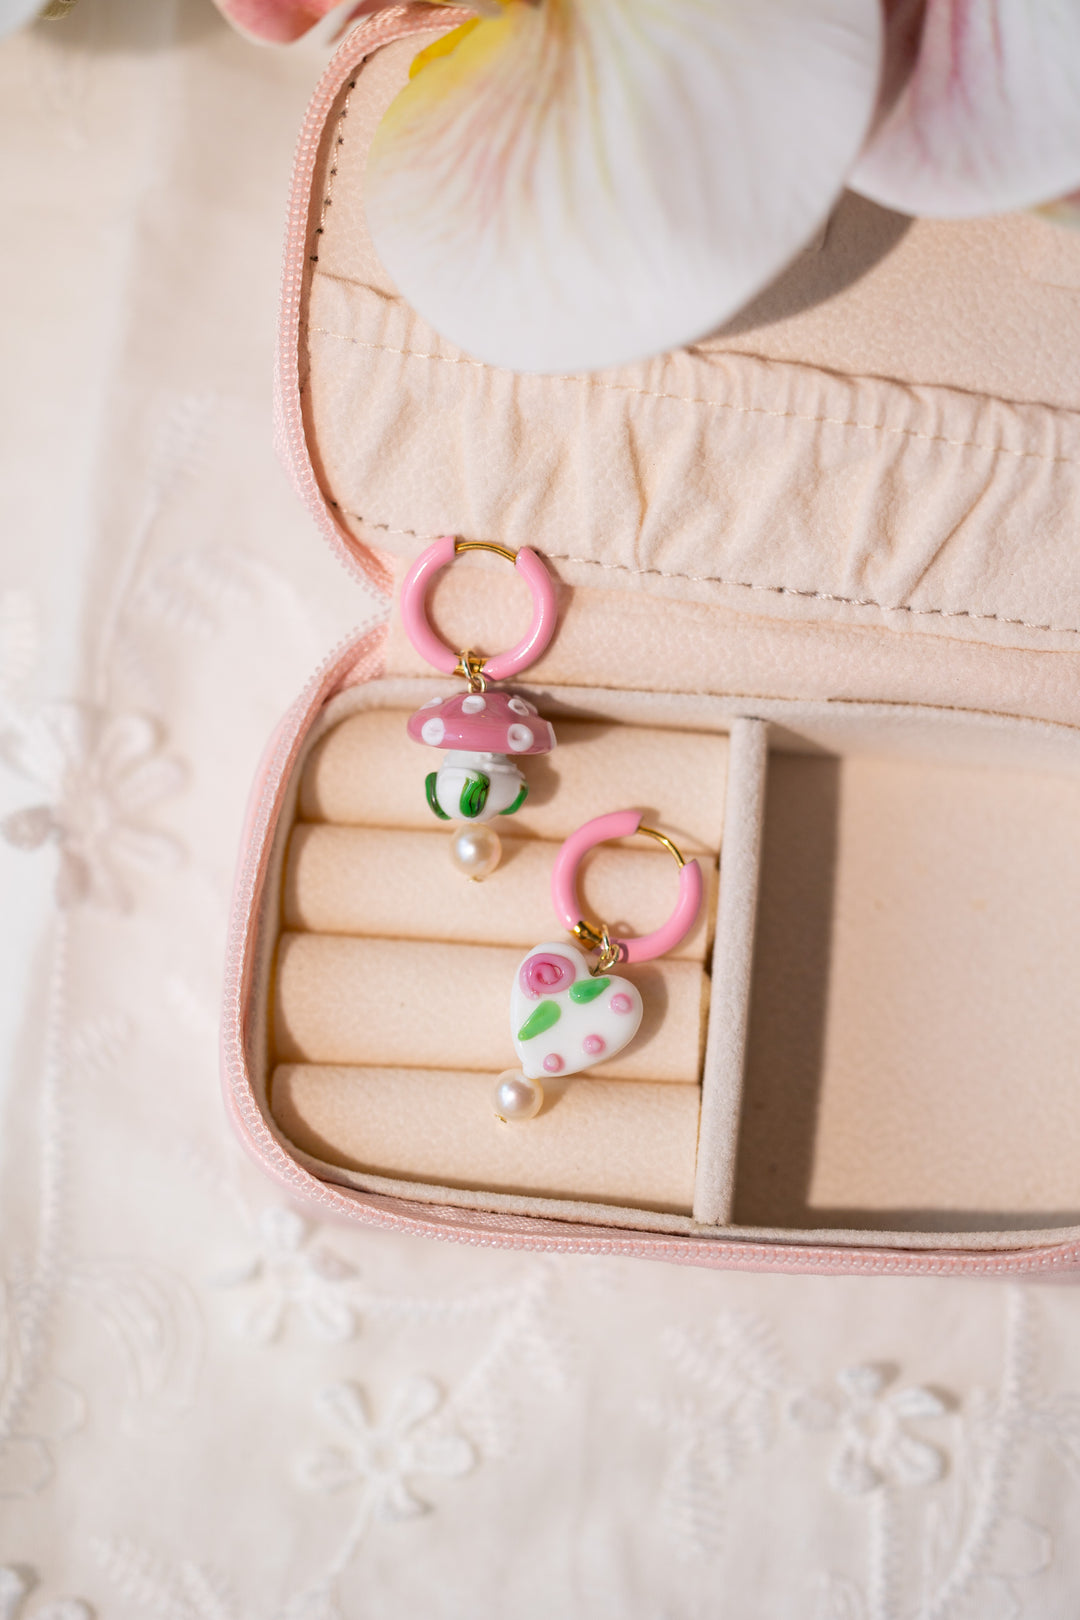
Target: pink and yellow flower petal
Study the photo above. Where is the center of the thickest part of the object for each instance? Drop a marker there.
(581, 183)
(989, 119)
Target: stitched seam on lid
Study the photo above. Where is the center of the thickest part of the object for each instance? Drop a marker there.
(331, 176)
(773, 590)
(716, 404)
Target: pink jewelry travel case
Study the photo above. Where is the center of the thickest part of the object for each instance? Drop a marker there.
(819, 585)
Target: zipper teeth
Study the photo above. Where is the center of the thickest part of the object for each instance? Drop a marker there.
(363, 562)
(368, 565)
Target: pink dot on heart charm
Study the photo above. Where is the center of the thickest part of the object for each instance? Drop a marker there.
(620, 1003)
(593, 1044)
(553, 1063)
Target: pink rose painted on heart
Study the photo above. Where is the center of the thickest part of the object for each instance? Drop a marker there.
(545, 974)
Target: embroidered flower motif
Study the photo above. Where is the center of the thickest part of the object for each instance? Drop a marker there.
(100, 774)
(16, 1584)
(384, 1457)
(292, 1274)
(875, 1448)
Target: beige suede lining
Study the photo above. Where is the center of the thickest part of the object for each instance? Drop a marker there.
(905, 1069)
(371, 1023)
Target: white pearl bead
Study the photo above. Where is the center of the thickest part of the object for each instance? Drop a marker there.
(517, 1098)
(476, 851)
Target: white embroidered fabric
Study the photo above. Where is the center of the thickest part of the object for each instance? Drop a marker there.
(211, 1409)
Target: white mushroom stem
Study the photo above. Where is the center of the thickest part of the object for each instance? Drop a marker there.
(461, 768)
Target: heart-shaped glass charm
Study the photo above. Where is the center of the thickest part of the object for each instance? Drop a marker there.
(563, 1019)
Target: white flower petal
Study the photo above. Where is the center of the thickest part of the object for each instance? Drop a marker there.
(48, 747)
(989, 119)
(282, 1230)
(913, 1462)
(263, 1321)
(29, 828)
(328, 1470)
(66, 1608)
(344, 1404)
(917, 1402)
(863, 1382)
(584, 182)
(852, 1472)
(329, 1318)
(396, 1501)
(410, 1403)
(445, 1454)
(334, 1267)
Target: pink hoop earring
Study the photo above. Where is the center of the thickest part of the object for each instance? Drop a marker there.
(564, 1015)
(479, 729)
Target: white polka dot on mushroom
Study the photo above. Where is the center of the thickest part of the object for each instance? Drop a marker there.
(519, 738)
(473, 704)
(433, 731)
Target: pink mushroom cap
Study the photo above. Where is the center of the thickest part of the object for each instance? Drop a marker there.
(482, 723)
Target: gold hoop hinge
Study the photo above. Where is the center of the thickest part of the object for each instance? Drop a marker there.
(485, 545)
(598, 939)
(470, 666)
(662, 838)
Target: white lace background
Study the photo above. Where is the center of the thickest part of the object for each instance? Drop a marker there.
(211, 1409)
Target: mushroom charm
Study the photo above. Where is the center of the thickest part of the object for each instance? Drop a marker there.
(481, 731)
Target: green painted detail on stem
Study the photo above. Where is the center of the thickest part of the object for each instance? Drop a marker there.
(430, 780)
(512, 809)
(588, 989)
(474, 796)
(539, 1019)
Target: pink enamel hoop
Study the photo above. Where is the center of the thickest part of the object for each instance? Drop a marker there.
(502, 665)
(564, 895)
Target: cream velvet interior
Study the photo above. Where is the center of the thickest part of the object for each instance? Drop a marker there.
(901, 1061)
(841, 535)
(393, 973)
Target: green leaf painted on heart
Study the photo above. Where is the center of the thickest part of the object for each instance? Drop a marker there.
(588, 989)
(539, 1019)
